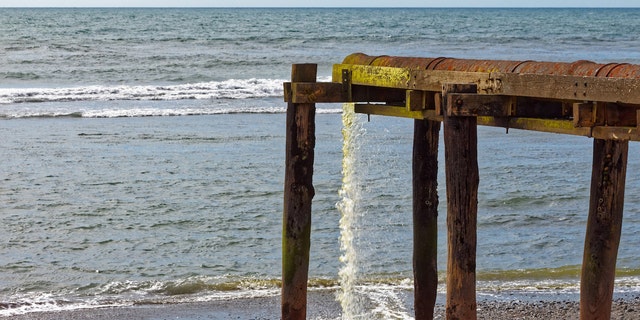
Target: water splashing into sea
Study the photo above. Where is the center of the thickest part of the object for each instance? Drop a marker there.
(350, 214)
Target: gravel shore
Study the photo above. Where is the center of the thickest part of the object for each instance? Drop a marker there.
(322, 305)
(621, 309)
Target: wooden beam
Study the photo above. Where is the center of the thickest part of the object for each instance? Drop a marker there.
(426, 135)
(331, 92)
(617, 115)
(604, 114)
(298, 194)
(614, 121)
(545, 86)
(433, 80)
(616, 133)
(461, 163)
(577, 88)
(371, 94)
(416, 100)
(314, 92)
(584, 114)
(603, 228)
(407, 78)
(533, 124)
(388, 77)
(391, 111)
(472, 104)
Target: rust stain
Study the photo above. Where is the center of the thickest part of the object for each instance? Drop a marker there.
(577, 68)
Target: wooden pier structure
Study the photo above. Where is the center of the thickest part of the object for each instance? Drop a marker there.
(583, 98)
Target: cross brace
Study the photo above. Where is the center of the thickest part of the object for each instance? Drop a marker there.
(547, 103)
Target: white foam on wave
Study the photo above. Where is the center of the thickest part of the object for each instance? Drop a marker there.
(387, 300)
(212, 98)
(227, 89)
(143, 112)
(177, 111)
(49, 302)
(129, 293)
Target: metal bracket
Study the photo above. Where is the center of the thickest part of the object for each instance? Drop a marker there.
(346, 84)
(580, 89)
(451, 93)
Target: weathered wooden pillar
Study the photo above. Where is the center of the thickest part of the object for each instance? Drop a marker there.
(426, 135)
(298, 193)
(603, 228)
(461, 167)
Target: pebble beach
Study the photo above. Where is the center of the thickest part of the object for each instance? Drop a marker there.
(322, 305)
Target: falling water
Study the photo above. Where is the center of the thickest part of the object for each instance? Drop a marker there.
(348, 206)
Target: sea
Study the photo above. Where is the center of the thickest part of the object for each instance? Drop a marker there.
(142, 156)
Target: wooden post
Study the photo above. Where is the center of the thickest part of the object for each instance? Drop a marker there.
(298, 193)
(426, 135)
(461, 166)
(603, 228)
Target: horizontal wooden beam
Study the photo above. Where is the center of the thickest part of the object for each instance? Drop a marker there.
(395, 111)
(314, 92)
(471, 104)
(619, 115)
(386, 77)
(604, 114)
(617, 90)
(433, 80)
(563, 127)
(533, 124)
(543, 125)
(413, 79)
(605, 108)
(616, 133)
(331, 92)
(558, 87)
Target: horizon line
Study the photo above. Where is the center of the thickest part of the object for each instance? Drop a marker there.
(316, 7)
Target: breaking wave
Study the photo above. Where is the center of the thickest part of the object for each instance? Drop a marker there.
(228, 89)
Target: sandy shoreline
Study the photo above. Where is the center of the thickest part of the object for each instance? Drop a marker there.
(322, 305)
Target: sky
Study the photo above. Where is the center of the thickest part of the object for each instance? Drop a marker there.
(319, 3)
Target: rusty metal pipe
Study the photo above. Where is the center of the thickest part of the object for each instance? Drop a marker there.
(577, 68)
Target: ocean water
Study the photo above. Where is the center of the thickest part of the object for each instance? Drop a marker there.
(143, 154)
